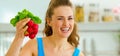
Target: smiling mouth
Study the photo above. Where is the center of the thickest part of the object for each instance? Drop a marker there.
(65, 30)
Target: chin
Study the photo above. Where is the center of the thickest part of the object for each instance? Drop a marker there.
(65, 35)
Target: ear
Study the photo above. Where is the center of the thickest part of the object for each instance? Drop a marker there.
(48, 21)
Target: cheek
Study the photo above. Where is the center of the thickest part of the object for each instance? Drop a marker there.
(56, 25)
(72, 23)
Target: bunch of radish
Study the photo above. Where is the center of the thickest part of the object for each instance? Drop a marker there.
(32, 24)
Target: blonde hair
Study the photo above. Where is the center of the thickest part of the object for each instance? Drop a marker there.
(73, 39)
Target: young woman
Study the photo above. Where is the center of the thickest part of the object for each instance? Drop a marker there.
(61, 34)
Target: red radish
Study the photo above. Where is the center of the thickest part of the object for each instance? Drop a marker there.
(26, 33)
(30, 23)
(32, 36)
(32, 29)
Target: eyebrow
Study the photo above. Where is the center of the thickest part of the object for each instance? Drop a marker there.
(71, 16)
(63, 16)
(60, 16)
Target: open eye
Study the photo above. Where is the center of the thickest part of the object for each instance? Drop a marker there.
(60, 18)
(70, 18)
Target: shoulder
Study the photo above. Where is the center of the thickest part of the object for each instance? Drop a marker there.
(81, 54)
(31, 43)
(29, 48)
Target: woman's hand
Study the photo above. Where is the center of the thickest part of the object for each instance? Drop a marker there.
(21, 28)
(15, 47)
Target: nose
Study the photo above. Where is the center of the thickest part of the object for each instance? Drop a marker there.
(65, 23)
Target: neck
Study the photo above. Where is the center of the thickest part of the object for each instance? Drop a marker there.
(58, 42)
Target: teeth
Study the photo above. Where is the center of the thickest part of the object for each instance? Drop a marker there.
(65, 29)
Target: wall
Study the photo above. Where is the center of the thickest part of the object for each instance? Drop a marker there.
(10, 8)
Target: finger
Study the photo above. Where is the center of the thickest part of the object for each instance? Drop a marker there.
(22, 23)
(25, 28)
(25, 20)
(22, 31)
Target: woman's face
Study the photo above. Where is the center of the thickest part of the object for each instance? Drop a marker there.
(62, 22)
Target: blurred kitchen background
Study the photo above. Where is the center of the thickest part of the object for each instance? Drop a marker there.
(98, 24)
